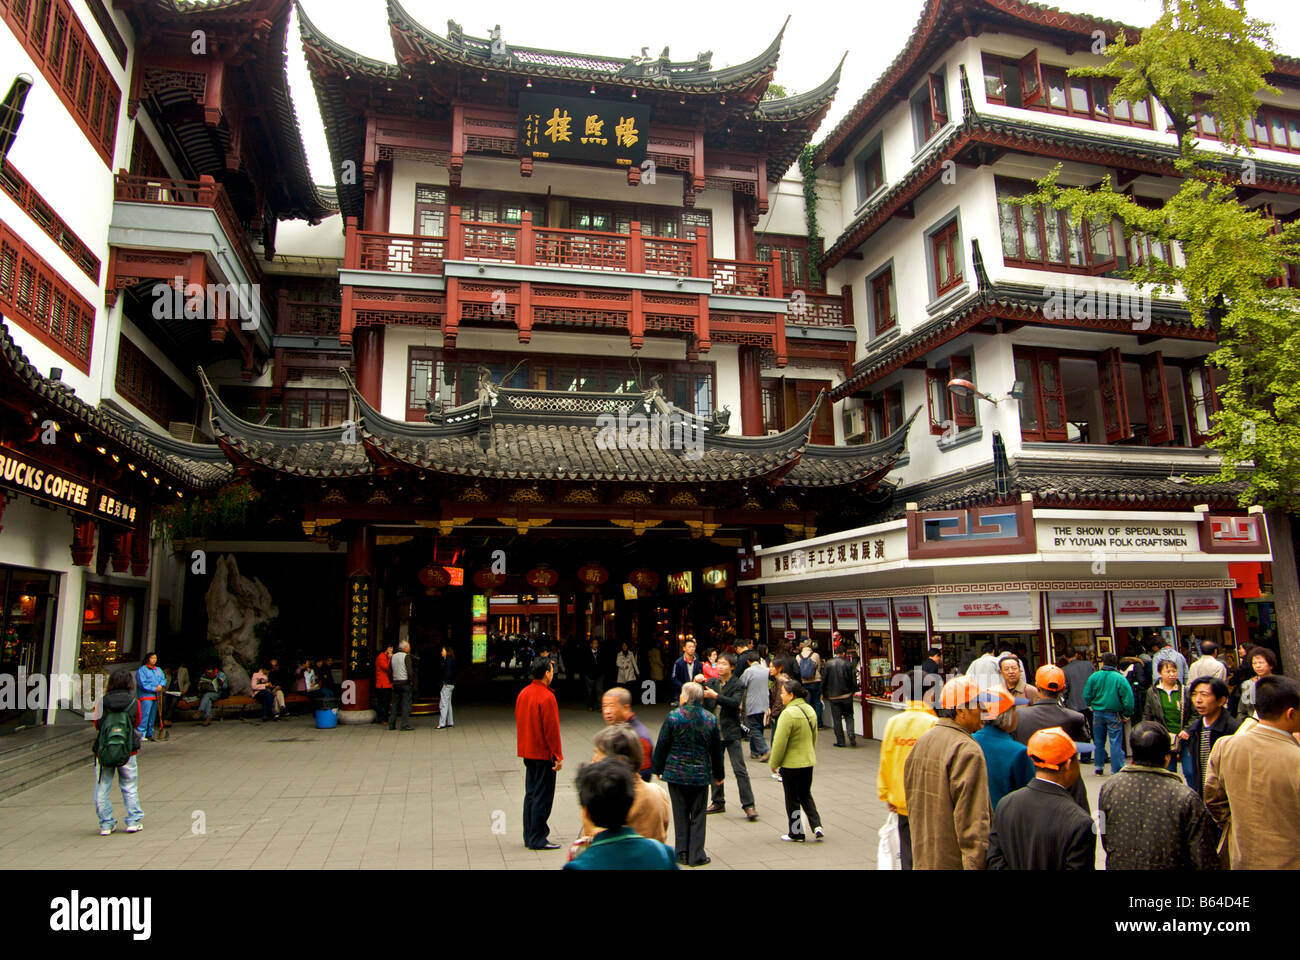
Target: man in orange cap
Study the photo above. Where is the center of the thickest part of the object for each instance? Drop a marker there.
(1041, 827)
(1047, 711)
(946, 783)
(1007, 761)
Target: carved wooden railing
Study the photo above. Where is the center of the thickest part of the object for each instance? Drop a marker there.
(525, 244)
(203, 192)
(817, 310)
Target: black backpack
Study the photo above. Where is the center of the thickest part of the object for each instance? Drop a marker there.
(116, 740)
(807, 668)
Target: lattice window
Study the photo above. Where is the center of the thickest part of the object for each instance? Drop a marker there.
(34, 295)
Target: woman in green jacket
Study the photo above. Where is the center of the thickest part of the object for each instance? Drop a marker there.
(794, 754)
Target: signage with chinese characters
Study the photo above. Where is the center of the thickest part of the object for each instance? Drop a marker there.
(358, 623)
(1199, 606)
(479, 606)
(680, 582)
(797, 614)
(847, 554)
(574, 128)
(875, 615)
(1078, 610)
(1139, 608)
(776, 616)
(820, 612)
(982, 612)
(846, 616)
(478, 643)
(910, 614)
(31, 476)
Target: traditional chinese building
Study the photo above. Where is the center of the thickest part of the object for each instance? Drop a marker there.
(1049, 498)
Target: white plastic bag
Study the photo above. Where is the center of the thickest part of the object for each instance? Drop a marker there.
(889, 854)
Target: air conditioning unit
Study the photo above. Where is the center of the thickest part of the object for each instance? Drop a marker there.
(855, 421)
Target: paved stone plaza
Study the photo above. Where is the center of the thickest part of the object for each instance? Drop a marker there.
(285, 794)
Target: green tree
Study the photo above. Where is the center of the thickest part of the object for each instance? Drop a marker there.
(1209, 57)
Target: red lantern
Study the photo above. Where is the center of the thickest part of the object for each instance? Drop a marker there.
(542, 578)
(434, 577)
(486, 580)
(644, 579)
(592, 576)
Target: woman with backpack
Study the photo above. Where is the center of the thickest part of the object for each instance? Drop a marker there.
(793, 756)
(118, 716)
(809, 673)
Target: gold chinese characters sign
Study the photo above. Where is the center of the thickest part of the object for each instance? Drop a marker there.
(574, 128)
(358, 623)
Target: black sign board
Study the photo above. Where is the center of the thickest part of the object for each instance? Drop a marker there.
(35, 478)
(358, 601)
(573, 128)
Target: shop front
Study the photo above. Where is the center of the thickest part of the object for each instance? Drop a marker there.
(1042, 583)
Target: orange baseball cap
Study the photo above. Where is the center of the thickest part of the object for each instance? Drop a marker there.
(1050, 677)
(996, 701)
(959, 692)
(1051, 748)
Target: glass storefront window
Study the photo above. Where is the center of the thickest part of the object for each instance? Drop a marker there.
(26, 625)
(110, 626)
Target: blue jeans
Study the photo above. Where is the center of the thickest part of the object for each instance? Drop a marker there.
(1107, 725)
(814, 688)
(757, 745)
(148, 713)
(1189, 766)
(444, 706)
(128, 778)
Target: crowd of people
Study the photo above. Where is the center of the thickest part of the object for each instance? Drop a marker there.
(724, 702)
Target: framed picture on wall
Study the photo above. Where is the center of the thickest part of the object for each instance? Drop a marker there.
(1105, 645)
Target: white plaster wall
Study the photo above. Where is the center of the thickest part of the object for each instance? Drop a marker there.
(563, 180)
(298, 238)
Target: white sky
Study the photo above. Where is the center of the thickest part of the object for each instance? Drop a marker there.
(871, 31)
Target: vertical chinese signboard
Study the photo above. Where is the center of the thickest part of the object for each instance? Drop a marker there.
(358, 623)
(478, 632)
(571, 128)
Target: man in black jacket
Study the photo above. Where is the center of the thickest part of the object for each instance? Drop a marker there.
(1040, 827)
(838, 687)
(1209, 698)
(725, 694)
(1046, 712)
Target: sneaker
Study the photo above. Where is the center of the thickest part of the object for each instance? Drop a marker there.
(105, 831)
(751, 814)
(777, 778)
(716, 808)
(135, 828)
(789, 839)
(819, 833)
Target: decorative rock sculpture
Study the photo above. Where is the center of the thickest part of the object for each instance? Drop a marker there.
(236, 605)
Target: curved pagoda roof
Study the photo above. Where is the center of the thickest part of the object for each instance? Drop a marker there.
(258, 31)
(431, 70)
(527, 435)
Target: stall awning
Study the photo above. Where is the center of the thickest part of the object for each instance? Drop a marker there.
(1194, 607)
(985, 612)
(1139, 608)
(1077, 609)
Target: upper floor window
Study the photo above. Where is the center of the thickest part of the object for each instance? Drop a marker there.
(884, 413)
(795, 257)
(431, 210)
(947, 408)
(946, 261)
(1026, 83)
(1035, 236)
(930, 108)
(884, 302)
(1272, 128)
(869, 171)
(786, 401)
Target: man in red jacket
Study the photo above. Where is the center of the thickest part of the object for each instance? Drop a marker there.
(383, 683)
(537, 727)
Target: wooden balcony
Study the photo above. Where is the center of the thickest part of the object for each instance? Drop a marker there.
(569, 281)
(203, 192)
(524, 244)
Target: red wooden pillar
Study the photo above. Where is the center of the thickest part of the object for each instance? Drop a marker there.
(377, 200)
(751, 392)
(740, 208)
(83, 542)
(360, 572)
(368, 347)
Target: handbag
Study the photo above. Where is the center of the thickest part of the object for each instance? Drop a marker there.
(889, 854)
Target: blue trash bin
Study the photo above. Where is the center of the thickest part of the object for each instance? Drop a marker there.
(327, 713)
